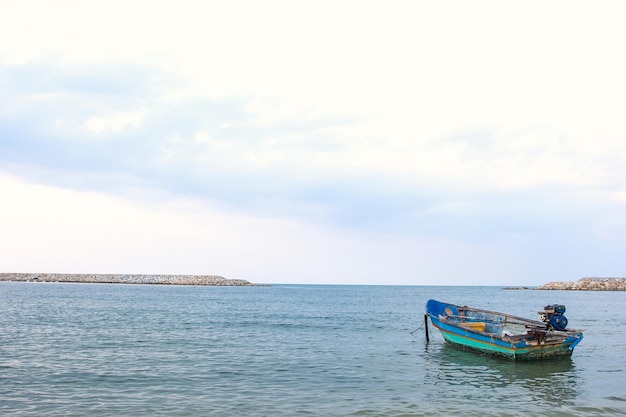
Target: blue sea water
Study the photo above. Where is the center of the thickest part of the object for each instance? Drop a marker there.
(290, 350)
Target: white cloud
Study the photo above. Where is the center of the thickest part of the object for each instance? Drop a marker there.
(116, 122)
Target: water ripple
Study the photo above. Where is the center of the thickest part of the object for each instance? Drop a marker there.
(108, 350)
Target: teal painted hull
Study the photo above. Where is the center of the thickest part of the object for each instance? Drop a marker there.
(493, 333)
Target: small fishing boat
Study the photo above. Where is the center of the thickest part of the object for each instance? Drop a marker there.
(503, 334)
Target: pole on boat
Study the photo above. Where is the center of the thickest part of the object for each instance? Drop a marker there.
(426, 326)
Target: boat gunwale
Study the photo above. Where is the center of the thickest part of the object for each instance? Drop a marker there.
(534, 324)
(511, 339)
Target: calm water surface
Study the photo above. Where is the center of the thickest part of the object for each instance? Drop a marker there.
(289, 350)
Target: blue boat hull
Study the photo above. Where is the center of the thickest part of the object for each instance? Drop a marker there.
(487, 332)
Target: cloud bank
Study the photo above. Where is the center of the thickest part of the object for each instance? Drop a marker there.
(403, 143)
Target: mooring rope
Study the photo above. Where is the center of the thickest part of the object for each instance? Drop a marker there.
(421, 325)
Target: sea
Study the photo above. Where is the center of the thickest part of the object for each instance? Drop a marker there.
(291, 350)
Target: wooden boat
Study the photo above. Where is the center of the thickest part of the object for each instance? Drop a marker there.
(503, 334)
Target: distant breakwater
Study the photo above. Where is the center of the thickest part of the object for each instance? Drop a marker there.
(587, 284)
(214, 280)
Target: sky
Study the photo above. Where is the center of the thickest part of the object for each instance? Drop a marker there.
(319, 142)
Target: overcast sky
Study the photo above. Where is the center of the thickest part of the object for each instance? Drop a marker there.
(347, 142)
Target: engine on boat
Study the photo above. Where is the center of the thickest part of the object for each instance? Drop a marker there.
(553, 315)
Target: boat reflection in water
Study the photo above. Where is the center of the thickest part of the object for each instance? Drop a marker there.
(498, 379)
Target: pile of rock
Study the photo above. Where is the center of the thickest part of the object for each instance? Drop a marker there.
(588, 284)
(126, 279)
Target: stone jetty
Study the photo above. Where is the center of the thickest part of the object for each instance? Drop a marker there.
(215, 280)
(587, 284)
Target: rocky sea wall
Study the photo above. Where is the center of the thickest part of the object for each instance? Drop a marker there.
(215, 280)
(587, 284)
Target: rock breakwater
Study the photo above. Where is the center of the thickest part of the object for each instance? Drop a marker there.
(215, 280)
(587, 284)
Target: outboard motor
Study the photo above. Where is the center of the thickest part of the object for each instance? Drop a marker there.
(553, 315)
